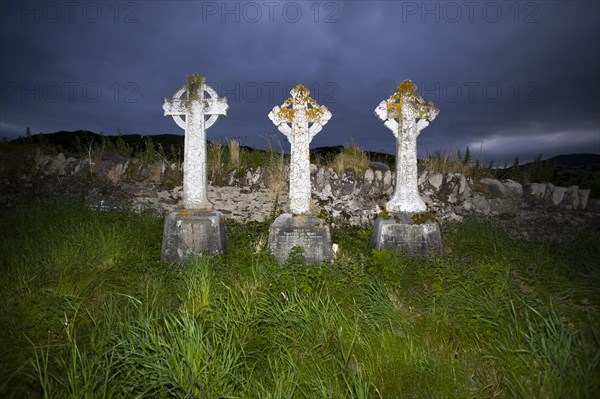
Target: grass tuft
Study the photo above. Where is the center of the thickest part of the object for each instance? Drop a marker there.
(351, 157)
(89, 311)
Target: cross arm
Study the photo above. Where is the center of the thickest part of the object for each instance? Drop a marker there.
(381, 113)
(323, 117)
(280, 122)
(215, 106)
(174, 107)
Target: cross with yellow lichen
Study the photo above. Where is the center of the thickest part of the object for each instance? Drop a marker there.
(307, 118)
(406, 113)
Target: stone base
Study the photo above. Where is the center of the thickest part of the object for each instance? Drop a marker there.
(397, 233)
(190, 232)
(306, 231)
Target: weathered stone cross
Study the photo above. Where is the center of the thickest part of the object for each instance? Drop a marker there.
(195, 108)
(406, 113)
(300, 110)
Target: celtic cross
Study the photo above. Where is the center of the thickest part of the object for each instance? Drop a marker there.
(201, 108)
(406, 113)
(307, 118)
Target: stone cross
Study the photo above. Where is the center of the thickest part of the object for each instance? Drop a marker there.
(406, 113)
(307, 118)
(196, 107)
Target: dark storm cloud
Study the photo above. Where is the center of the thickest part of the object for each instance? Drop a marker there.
(510, 78)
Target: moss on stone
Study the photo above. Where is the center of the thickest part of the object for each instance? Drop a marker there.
(194, 84)
(422, 218)
(384, 215)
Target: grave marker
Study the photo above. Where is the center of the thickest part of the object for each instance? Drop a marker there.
(196, 107)
(406, 113)
(300, 118)
(197, 228)
(300, 110)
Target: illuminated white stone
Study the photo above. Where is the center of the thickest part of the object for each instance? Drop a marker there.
(201, 108)
(300, 110)
(406, 113)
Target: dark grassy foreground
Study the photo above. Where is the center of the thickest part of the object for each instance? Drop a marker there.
(88, 311)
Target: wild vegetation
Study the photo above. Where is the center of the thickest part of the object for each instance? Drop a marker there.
(225, 157)
(88, 310)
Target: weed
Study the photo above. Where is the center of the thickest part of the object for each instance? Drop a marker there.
(350, 157)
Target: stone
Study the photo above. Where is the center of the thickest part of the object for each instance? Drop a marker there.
(463, 187)
(467, 205)
(320, 179)
(369, 176)
(378, 180)
(453, 217)
(300, 110)
(196, 107)
(400, 234)
(436, 180)
(481, 205)
(300, 118)
(405, 113)
(558, 195)
(192, 232)
(387, 180)
(422, 179)
(58, 165)
(584, 197)
(348, 182)
(571, 200)
(548, 194)
(513, 189)
(380, 166)
(504, 197)
(537, 191)
(305, 231)
(197, 228)
(495, 187)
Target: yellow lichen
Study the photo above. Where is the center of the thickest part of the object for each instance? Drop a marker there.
(300, 98)
(422, 218)
(405, 94)
(384, 214)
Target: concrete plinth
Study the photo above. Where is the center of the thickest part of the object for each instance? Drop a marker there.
(399, 233)
(306, 231)
(190, 232)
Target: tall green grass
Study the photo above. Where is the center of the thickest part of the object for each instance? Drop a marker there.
(89, 311)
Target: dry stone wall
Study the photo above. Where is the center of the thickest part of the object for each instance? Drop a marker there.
(353, 199)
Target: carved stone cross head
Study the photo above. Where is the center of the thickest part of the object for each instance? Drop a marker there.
(302, 112)
(201, 99)
(404, 108)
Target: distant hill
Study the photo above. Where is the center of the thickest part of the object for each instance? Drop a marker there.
(575, 160)
(81, 139)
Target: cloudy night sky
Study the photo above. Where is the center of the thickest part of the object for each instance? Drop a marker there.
(510, 78)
